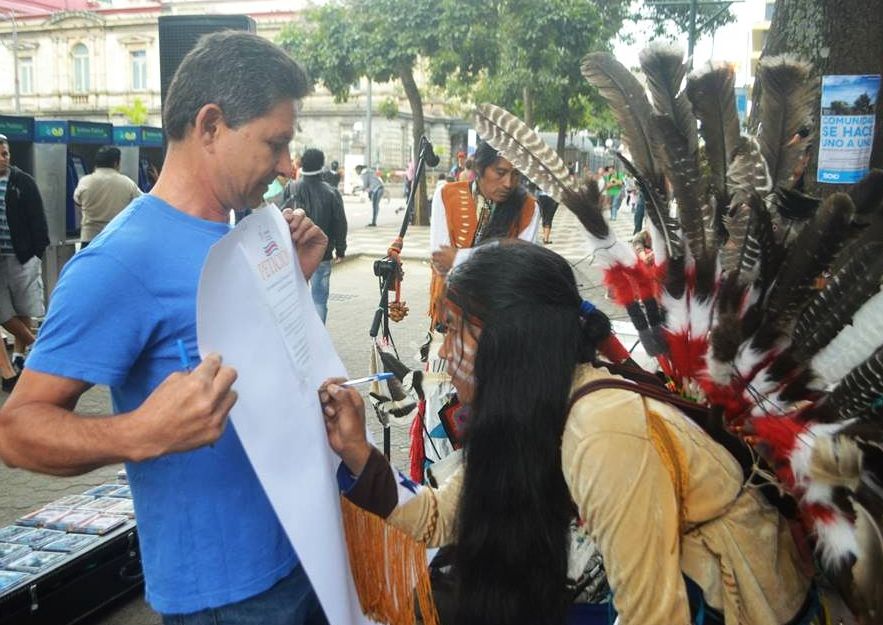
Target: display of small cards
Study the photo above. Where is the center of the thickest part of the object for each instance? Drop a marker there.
(124, 507)
(8, 579)
(71, 520)
(11, 551)
(122, 491)
(104, 490)
(101, 524)
(10, 533)
(100, 504)
(42, 517)
(71, 501)
(36, 538)
(35, 561)
(71, 543)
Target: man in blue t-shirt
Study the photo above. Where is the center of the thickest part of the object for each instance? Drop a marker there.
(212, 547)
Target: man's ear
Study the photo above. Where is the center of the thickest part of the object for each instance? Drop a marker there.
(209, 124)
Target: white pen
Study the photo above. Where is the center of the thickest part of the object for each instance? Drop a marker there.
(377, 377)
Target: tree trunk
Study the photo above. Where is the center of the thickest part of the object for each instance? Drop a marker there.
(527, 94)
(563, 122)
(406, 75)
(836, 37)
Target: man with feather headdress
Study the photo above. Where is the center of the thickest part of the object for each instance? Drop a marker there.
(465, 214)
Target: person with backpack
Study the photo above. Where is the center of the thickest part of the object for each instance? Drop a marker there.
(552, 433)
(373, 186)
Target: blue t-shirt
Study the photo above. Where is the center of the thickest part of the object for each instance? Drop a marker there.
(208, 534)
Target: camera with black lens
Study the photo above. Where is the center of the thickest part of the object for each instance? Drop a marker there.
(385, 268)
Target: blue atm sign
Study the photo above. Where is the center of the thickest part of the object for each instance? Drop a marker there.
(59, 131)
(51, 132)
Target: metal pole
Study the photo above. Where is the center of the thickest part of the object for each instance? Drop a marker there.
(15, 61)
(692, 43)
(369, 115)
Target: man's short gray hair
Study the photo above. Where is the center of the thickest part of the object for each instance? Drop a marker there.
(245, 75)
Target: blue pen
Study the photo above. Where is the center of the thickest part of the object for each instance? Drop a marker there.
(183, 355)
(377, 377)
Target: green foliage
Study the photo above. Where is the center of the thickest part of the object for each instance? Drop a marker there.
(538, 48)
(328, 44)
(863, 105)
(709, 17)
(478, 51)
(135, 113)
(340, 42)
(389, 108)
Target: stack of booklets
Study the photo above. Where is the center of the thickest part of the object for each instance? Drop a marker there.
(43, 538)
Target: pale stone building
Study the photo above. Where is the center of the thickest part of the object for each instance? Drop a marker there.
(91, 60)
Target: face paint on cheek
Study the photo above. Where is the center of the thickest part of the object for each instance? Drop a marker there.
(461, 362)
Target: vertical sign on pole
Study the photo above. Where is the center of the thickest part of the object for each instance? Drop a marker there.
(847, 128)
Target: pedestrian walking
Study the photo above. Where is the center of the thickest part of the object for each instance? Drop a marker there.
(24, 236)
(373, 185)
(324, 205)
(103, 194)
(548, 207)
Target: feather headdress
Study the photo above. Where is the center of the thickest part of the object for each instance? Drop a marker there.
(734, 312)
(796, 366)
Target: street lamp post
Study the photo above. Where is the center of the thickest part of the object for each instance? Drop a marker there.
(369, 114)
(15, 60)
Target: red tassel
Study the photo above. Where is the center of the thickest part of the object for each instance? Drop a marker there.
(779, 434)
(627, 284)
(418, 452)
(617, 279)
(613, 350)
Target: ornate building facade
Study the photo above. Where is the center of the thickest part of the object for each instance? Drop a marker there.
(99, 61)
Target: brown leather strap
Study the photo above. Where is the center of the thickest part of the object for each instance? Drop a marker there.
(641, 388)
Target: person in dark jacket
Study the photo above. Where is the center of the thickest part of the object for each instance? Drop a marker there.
(332, 175)
(24, 236)
(324, 205)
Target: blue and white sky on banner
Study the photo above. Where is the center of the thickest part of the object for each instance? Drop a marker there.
(849, 88)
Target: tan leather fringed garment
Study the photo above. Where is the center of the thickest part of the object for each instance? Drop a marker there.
(735, 546)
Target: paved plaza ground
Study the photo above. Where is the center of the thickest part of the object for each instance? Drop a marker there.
(353, 299)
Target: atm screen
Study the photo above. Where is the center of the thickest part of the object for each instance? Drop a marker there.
(76, 169)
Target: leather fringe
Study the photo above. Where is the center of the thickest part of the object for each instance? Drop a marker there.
(436, 298)
(388, 567)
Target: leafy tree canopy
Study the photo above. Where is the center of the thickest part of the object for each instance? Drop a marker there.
(135, 113)
(670, 19)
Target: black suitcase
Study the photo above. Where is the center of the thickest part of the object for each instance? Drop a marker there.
(79, 586)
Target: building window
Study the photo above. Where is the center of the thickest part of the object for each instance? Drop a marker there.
(758, 39)
(769, 9)
(139, 70)
(81, 68)
(26, 75)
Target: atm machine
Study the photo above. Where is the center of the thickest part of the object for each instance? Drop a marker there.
(141, 153)
(64, 151)
(19, 133)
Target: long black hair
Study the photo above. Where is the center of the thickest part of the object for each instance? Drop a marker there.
(515, 509)
(508, 211)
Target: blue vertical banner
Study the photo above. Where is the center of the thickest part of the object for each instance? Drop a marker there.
(849, 105)
(741, 103)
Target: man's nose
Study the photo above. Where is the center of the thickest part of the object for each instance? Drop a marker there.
(283, 165)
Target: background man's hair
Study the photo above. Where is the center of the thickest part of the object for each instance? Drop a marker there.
(4, 140)
(245, 75)
(108, 156)
(313, 159)
(484, 156)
